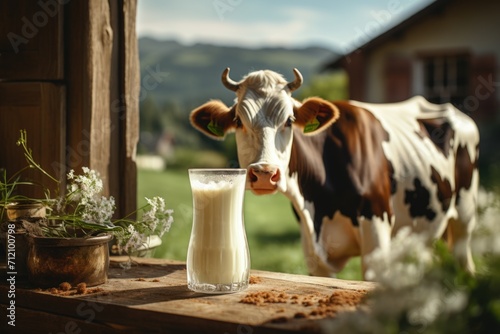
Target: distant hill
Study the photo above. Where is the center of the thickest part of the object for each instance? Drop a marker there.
(176, 78)
(191, 73)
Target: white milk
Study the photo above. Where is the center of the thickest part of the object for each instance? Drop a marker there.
(218, 257)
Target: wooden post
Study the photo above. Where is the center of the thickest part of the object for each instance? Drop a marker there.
(90, 41)
(103, 68)
(129, 116)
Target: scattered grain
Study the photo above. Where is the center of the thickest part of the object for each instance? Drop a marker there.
(65, 289)
(65, 286)
(315, 305)
(307, 303)
(81, 288)
(254, 280)
(264, 297)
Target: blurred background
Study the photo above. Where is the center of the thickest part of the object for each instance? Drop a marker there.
(375, 51)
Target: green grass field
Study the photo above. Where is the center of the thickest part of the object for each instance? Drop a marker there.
(272, 230)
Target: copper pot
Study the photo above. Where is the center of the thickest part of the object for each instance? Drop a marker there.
(52, 261)
(19, 210)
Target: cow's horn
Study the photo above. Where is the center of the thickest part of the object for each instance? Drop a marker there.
(228, 82)
(295, 84)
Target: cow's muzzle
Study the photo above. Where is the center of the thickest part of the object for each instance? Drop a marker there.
(263, 178)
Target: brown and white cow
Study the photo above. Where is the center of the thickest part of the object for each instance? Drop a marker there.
(355, 173)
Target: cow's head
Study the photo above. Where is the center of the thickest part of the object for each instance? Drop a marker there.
(263, 117)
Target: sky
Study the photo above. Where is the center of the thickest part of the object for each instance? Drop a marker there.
(337, 25)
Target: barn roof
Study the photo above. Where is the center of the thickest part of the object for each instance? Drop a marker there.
(435, 8)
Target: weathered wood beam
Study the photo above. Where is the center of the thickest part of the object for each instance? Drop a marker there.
(103, 108)
(129, 104)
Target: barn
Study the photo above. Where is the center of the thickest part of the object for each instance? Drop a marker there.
(69, 72)
(446, 52)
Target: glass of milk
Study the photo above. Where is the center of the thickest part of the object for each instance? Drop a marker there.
(218, 260)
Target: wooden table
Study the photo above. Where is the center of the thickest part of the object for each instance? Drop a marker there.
(152, 297)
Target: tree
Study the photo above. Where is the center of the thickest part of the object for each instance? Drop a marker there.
(330, 86)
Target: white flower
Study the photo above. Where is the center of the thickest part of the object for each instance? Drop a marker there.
(157, 218)
(425, 305)
(84, 187)
(167, 222)
(486, 237)
(404, 264)
(99, 210)
(84, 205)
(133, 241)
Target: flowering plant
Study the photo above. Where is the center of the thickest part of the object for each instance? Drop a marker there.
(425, 290)
(9, 185)
(82, 211)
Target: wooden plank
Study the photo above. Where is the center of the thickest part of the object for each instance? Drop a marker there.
(103, 69)
(38, 108)
(128, 110)
(153, 295)
(78, 92)
(100, 39)
(89, 64)
(31, 46)
(28, 321)
(115, 131)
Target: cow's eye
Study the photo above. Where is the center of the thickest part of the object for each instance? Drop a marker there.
(289, 122)
(238, 123)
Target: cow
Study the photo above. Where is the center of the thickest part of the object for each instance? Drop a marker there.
(356, 173)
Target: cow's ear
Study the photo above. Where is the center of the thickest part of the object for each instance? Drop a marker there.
(214, 119)
(315, 115)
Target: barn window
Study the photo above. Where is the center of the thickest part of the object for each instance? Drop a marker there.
(446, 78)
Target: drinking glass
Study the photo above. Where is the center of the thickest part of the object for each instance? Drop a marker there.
(218, 259)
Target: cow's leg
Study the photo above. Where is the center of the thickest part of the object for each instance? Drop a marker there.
(460, 229)
(315, 265)
(375, 233)
(459, 235)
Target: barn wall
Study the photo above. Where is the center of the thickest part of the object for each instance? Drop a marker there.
(464, 25)
(72, 80)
